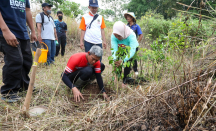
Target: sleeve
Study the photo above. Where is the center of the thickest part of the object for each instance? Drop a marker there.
(71, 65)
(53, 24)
(66, 80)
(103, 24)
(139, 31)
(100, 82)
(133, 43)
(97, 67)
(65, 27)
(38, 18)
(27, 4)
(114, 46)
(82, 24)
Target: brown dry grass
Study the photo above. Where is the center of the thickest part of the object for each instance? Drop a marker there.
(191, 103)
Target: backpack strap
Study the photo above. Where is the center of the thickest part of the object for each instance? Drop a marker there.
(42, 19)
(94, 18)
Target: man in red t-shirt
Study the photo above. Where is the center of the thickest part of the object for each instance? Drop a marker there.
(81, 68)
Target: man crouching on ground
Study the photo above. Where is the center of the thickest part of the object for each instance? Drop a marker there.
(82, 68)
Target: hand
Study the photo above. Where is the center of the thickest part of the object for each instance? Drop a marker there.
(40, 39)
(81, 45)
(118, 63)
(10, 38)
(104, 45)
(56, 38)
(33, 37)
(77, 94)
(106, 97)
(124, 85)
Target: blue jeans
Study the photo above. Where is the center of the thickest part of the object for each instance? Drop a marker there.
(88, 46)
(52, 49)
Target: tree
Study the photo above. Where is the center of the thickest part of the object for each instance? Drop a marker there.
(117, 6)
(107, 13)
(70, 9)
(56, 3)
(165, 7)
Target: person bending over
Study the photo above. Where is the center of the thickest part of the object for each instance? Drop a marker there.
(82, 68)
(123, 36)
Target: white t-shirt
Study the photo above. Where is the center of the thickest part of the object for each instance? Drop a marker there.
(92, 35)
(47, 30)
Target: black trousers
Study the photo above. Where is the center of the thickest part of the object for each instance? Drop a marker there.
(128, 69)
(18, 62)
(62, 43)
(84, 73)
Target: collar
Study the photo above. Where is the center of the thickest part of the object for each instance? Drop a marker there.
(131, 25)
(91, 14)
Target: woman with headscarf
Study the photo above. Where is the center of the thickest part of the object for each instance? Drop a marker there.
(123, 36)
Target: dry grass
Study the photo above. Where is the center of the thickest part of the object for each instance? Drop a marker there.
(169, 111)
(162, 104)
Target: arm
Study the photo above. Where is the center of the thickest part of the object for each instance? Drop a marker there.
(76, 92)
(114, 46)
(83, 29)
(82, 38)
(104, 38)
(30, 24)
(140, 34)
(133, 45)
(140, 38)
(101, 85)
(39, 26)
(7, 34)
(56, 37)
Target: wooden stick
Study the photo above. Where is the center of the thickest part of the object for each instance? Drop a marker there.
(31, 83)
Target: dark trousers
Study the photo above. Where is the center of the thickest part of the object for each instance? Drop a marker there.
(88, 46)
(85, 73)
(18, 62)
(62, 43)
(128, 69)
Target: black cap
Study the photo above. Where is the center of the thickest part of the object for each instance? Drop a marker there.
(93, 3)
(46, 4)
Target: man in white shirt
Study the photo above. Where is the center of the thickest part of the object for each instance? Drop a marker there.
(92, 28)
(47, 31)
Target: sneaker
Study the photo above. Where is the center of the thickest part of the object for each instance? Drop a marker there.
(10, 98)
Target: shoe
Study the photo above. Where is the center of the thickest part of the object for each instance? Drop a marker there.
(10, 98)
(129, 80)
(24, 89)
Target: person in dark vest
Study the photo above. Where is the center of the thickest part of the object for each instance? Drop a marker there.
(130, 17)
(14, 43)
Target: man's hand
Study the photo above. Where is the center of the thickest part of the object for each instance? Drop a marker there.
(118, 63)
(104, 45)
(40, 39)
(105, 96)
(77, 94)
(81, 45)
(33, 37)
(10, 38)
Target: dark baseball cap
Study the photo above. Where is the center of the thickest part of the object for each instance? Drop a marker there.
(46, 4)
(93, 3)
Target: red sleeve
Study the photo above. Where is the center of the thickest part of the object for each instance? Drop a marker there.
(97, 67)
(72, 63)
